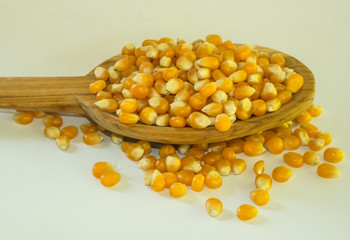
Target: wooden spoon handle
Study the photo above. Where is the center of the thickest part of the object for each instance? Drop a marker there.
(47, 94)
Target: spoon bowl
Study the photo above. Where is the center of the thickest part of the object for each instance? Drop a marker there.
(71, 95)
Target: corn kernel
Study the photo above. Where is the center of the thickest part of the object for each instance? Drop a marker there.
(333, 155)
(263, 181)
(260, 197)
(327, 170)
(311, 158)
(246, 212)
(213, 207)
(281, 174)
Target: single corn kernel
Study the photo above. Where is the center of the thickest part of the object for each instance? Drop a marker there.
(214, 207)
(177, 190)
(259, 107)
(243, 92)
(104, 95)
(183, 63)
(157, 181)
(327, 137)
(260, 197)
(217, 147)
(161, 165)
(146, 147)
(198, 120)
(38, 114)
(244, 109)
(23, 118)
(52, 120)
(281, 174)
(117, 139)
(92, 138)
(285, 96)
(311, 129)
(197, 183)
(108, 105)
(333, 155)
(211, 158)
(316, 144)
(295, 82)
(302, 135)
(222, 122)
(184, 95)
(311, 158)
(238, 76)
(213, 180)
(278, 59)
(293, 159)
(62, 142)
(208, 89)
(163, 120)
(101, 73)
(327, 170)
(228, 153)
(172, 163)
(128, 49)
(238, 166)
(148, 115)
(140, 90)
(273, 105)
(183, 149)
(52, 132)
(128, 105)
(204, 73)
(135, 151)
(291, 142)
(304, 117)
(128, 118)
(259, 167)
(315, 110)
(110, 178)
(185, 176)
(196, 152)
(263, 181)
(242, 53)
(213, 109)
(250, 67)
(208, 62)
(148, 162)
(275, 145)
(257, 137)
(246, 212)
(174, 85)
(97, 86)
(223, 166)
(191, 163)
(268, 92)
(253, 148)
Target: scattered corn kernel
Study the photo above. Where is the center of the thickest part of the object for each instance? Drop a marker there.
(281, 174)
(333, 155)
(327, 170)
(246, 212)
(214, 207)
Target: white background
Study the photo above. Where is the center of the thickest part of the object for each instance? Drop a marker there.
(49, 194)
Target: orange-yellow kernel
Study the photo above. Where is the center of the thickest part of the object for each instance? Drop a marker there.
(222, 122)
(173, 164)
(166, 150)
(295, 82)
(213, 180)
(211, 158)
(128, 118)
(88, 127)
(97, 86)
(146, 146)
(304, 117)
(242, 53)
(157, 181)
(228, 153)
(333, 155)
(196, 152)
(275, 145)
(316, 144)
(23, 118)
(293, 159)
(278, 59)
(253, 148)
(110, 178)
(315, 110)
(260, 197)
(281, 174)
(259, 167)
(185, 176)
(310, 129)
(177, 190)
(311, 158)
(246, 212)
(148, 162)
(52, 132)
(169, 178)
(62, 142)
(263, 181)
(237, 145)
(238, 166)
(327, 170)
(52, 120)
(223, 166)
(291, 142)
(197, 183)
(92, 138)
(214, 207)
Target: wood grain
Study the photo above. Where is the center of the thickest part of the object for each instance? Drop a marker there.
(70, 94)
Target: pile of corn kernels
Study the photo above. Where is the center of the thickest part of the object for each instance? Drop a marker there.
(204, 83)
(194, 167)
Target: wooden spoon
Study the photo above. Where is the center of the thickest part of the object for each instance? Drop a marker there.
(71, 95)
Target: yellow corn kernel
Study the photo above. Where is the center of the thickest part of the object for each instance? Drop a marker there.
(315, 110)
(242, 53)
(304, 117)
(249, 67)
(157, 181)
(281, 174)
(239, 76)
(148, 162)
(213, 207)
(302, 135)
(327, 170)
(316, 144)
(198, 120)
(110, 178)
(134, 152)
(243, 92)
(172, 163)
(263, 181)
(246, 212)
(275, 145)
(208, 89)
(213, 180)
(333, 155)
(62, 142)
(70, 131)
(311, 129)
(122, 64)
(92, 138)
(259, 167)
(170, 178)
(208, 62)
(184, 96)
(204, 73)
(278, 59)
(197, 183)
(166, 150)
(311, 158)
(253, 148)
(293, 159)
(260, 197)
(217, 147)
(163, 120)
(52, 132)
(224, 84)
(244, 109)
(213, 109)
(177, 190)
(285, 96)
(295, 82)
(108, 105)
(268, 92)
(223, 166)
(23, 118)
(183, 63)
(327, 137)
(180, 109)
(185, 176)
(228, 67)
(174, 85)
(183, 149)
(128, 118)
(148, 115)
(238, 166)
(273, 105)
(52, 120)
